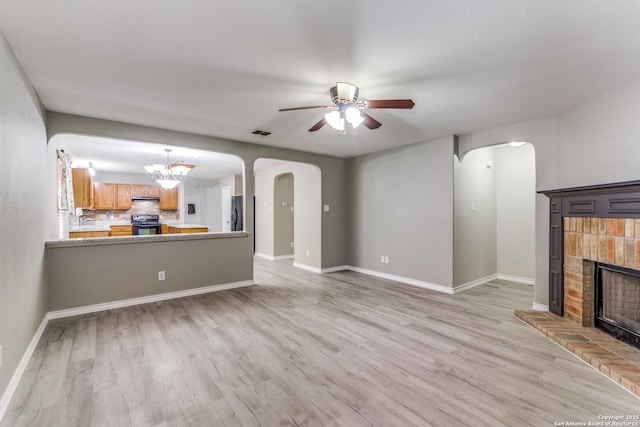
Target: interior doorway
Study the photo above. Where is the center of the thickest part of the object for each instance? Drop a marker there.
(283, 216)
(494, 215)
(288, 214)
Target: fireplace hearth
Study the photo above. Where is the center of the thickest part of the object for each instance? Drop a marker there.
(617, 302)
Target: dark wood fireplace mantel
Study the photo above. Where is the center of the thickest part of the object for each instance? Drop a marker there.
(616, 200)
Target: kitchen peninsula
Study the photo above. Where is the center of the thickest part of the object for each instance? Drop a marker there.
(101, 272)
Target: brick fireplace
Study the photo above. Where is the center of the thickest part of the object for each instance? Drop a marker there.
(594, 269)
(614, 241)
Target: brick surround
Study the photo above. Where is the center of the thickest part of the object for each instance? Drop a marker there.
(614, 241)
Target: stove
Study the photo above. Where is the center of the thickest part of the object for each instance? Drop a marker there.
(145, 224)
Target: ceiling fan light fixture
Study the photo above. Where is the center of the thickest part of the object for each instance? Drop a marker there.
(335, 120)
(344, 93)
(352, 115)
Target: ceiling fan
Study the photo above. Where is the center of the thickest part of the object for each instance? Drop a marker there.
(347, 108)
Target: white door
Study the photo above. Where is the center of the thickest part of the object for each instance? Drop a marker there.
(226, 209)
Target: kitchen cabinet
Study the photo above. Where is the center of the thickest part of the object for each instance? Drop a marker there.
(164, 229)
(112, 196)
(105, 195)
(169, 199)
(82, 188)
(87, 234)
(120, 230)
(187, 228)
(123, 196)
(138, 190)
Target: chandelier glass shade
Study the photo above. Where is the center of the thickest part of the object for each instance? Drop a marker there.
(170, 174)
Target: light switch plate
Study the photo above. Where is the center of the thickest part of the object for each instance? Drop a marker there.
(326, 208)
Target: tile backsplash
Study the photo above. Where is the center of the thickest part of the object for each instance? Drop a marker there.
(137, 207)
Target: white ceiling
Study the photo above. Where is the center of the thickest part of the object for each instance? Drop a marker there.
(130, 157)
(225, 68)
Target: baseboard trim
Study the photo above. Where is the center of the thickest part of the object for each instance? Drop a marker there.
(540, 307)
(474, 283)
(278, 257)
(307, 267)
(265, 256)
(335, 269)
(517, 279)
(145, 300)
(405, 280)
(22, 366)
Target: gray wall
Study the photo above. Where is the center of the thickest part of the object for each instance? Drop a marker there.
(474, 227)
(24, 196)
(333, 191)
(86, 275)
(402, 207)
(516, 200)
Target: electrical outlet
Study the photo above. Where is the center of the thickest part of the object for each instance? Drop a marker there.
(308, 252)
(382, 259)
(160, 275)
(291, 244)
(386, 260)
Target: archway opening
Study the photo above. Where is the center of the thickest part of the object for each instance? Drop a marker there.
(284, 229)
(494, 215)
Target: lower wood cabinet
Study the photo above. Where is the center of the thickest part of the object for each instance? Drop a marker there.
(173, 230)
(87, 234)
(120, 230)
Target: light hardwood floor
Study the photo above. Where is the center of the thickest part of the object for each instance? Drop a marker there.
(305, 349)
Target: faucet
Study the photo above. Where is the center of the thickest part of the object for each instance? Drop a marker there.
(84, 219)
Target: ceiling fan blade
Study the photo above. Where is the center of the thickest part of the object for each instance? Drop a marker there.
(307, 108)
(390, 103)
(369, 121)
(318, 125)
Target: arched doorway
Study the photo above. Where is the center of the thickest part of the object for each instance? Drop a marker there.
(494, 215)
(277, 184)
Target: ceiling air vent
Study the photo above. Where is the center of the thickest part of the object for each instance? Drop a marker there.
(261, 132)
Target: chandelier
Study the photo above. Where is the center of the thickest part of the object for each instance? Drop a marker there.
(170, 174)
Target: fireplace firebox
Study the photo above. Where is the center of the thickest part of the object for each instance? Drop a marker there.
(617, 302)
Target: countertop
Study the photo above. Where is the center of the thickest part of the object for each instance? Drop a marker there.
(89, 228)
(98, 241)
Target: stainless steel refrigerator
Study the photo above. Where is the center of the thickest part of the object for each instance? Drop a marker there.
(236, 213)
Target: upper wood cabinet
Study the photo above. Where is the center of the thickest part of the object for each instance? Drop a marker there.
(112, 196)
(138, 190)
(123, 196)
(82, 188)
(105, 195)
(169, 199)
